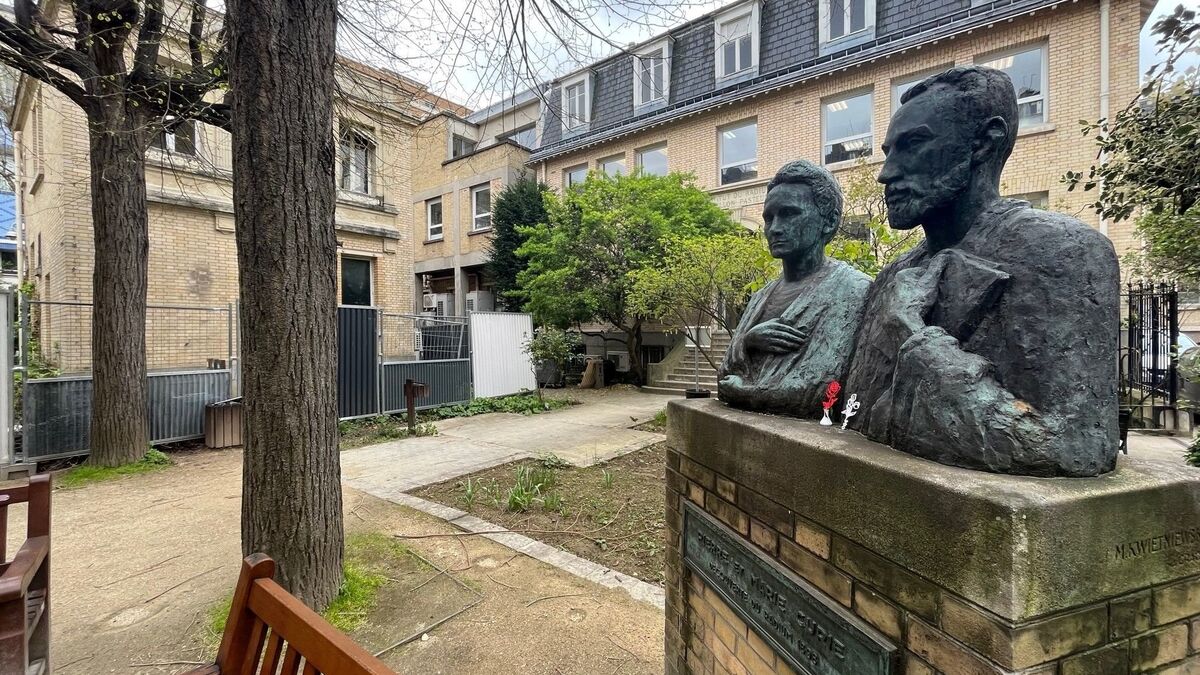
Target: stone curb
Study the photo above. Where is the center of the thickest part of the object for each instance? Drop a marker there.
(584, 569)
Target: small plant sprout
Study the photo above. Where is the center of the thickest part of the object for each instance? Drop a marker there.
(607, 477)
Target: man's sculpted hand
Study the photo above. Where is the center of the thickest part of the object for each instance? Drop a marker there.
(776, 337)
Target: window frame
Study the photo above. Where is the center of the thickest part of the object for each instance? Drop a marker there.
(454, 138)
(602, 162)
(370, 279)
(371, 150)
(566, 180)
(722, 164)
(475, 214)
(441, 233)
(824, 12)
(659, 47)
(870, 135)
(583, 79)
(640, 152)
(511, 136)
(730, 15)
(169, 139)
(913, 79)
(1044, 49)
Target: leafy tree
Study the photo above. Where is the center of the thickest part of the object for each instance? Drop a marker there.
(865, 240)
(703, 281)
(581, 262)
(551, 344)
(1149, 155)
(104, 57)
(521, 203)
(283, 199)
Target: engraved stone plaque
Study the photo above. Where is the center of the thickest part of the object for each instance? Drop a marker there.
(808, 630)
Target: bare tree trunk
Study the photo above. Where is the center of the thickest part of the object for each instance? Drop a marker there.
(281, 76)
(633, 344)
(119, 432)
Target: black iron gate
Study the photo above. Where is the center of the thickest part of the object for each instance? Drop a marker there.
(1149, 353)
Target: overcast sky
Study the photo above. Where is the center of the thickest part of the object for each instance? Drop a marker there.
(469, 51)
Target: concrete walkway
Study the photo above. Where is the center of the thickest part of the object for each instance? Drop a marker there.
(595, 431)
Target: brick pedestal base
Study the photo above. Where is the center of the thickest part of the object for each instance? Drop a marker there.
(968, 573)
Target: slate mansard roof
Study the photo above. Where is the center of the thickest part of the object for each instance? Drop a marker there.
(790, 52)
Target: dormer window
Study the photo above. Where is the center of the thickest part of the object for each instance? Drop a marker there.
(841, 18)
(652, 74)
(577, 101)
(737, 41)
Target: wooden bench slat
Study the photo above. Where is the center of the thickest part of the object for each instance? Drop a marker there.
(291, 662)
(271, 655)
(329, 650)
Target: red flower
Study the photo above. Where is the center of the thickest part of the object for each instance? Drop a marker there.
(831, 394)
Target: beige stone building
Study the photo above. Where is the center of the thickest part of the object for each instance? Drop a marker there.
(732, 96)
(460, 164)
(192, 259)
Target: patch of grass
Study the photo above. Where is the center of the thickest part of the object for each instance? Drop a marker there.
(657, 424)
(364, 573)
(378, 429)
(522, 404)
(83, 474)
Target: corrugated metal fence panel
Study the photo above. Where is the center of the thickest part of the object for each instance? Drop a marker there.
(500, 364)
(449, 382)
(358, 361)
(177, 402)
(57, 412)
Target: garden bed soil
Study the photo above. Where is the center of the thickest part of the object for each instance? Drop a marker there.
(617, 522)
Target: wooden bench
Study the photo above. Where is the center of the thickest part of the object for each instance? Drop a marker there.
(269, 631)
(25, 582)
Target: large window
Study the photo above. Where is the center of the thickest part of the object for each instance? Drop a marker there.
(433, 219)
(574, 175)
(840, 18)
(1027, 69)
(525, 137)
(653, 160)
(356, 281)
(737, 40)
(481, 206)
(846, 128)
(577, 101)
(357, 156)
(461, 145)
(651, 74)
(739, 152)
(181, 139)
(613, 166)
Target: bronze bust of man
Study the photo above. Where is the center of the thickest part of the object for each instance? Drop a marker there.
(796, 333)
(992, 345)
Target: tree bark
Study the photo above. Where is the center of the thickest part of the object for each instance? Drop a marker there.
(633, 344)
(117, 157)
(281, 76)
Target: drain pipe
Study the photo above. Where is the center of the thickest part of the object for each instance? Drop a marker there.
(1105, 19)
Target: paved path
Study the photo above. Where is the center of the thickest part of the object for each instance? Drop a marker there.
(583, 435)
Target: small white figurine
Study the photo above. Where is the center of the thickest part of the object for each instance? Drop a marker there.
(849, 411)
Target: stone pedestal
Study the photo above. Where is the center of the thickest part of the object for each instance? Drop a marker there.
(959, 572)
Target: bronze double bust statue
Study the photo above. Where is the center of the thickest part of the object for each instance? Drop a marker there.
(991, 345)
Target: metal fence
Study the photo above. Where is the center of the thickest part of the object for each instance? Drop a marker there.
(191, 360)
(1149, 353)
(378, 351)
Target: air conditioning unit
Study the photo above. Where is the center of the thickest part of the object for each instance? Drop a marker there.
(443, 304)
(480, 301)
(428, 302)
(621, 359)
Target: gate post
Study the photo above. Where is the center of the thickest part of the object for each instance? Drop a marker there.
(6, 377)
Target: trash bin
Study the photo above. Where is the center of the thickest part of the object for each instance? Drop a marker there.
(223, 423)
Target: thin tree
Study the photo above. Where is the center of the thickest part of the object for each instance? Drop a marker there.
(282, 79)
(520, 204)
(82, 51)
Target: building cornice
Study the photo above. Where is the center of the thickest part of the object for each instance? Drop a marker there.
(944, 28)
